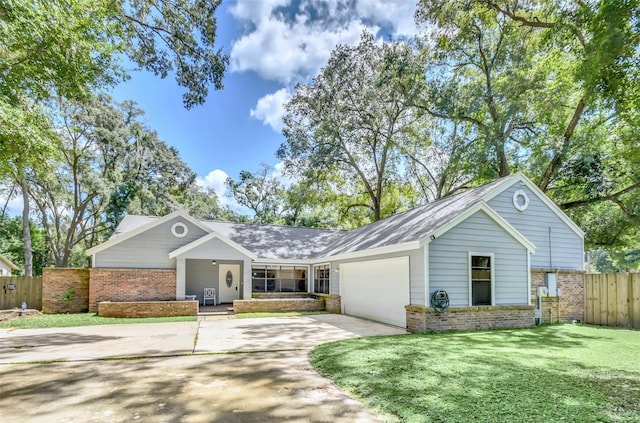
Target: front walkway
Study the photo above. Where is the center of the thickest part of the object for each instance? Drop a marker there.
(178, 371)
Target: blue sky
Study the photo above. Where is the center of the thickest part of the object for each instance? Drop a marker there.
(272, 44)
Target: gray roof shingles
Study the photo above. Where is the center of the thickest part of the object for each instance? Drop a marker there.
(300, 243)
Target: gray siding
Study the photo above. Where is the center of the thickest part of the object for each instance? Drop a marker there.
(214, 249)
(201, 274)
(148, 250)
(416, 273)
(534, 223)
(449, 261)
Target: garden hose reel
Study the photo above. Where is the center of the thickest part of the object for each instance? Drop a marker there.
(440, 301)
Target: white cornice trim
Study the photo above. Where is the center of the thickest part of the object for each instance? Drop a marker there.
(387, 249)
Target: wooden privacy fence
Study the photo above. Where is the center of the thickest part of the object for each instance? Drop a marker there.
(27, 289)
(612, 299)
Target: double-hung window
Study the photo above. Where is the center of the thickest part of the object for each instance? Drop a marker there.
(481, 270)
(321, 278)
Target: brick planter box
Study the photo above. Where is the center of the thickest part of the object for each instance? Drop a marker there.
(266, 305)
(422, 319)
(148, 309)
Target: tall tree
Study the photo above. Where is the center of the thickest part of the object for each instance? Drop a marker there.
(110, 164)
(73, 48)
(349, 122)
(261, 192)
(548, 87)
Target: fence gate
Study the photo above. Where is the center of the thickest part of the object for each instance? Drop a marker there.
(612, 299)
(16, 289)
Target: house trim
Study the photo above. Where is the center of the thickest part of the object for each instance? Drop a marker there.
(493, 276)
(8, 262)
(387, 249)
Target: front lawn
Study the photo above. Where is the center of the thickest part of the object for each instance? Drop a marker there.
(567, 373)
(83, 319)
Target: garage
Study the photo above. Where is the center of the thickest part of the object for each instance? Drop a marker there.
(376, 289)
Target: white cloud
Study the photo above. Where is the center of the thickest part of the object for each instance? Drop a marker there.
(286, 45)
(270, 108)
(215, 179)
(278, 173)
(289, 42)
(398, 14)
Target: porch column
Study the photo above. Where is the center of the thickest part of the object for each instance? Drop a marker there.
(246, 280)
(181, 271)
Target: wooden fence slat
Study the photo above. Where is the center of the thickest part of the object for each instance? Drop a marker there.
(588, 300)
(634, 299)
(622, 300)
(28, 289)
(612, 299)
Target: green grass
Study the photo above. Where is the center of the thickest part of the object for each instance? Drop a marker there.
(567, 373)
(277, 314)
(83, 319)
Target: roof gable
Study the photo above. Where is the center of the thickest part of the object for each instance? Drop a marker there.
(213, 235)
(8, 262)
(520, 178)
(143, 225)
(499, 220)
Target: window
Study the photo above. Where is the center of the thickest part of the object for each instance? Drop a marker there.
(481, 280)
(278, 278)
(321, 278)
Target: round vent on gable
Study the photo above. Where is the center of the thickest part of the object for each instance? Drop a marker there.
(179, 229)
(520, 200)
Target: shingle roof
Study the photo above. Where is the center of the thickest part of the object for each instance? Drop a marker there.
(265, 241)
(299, 243)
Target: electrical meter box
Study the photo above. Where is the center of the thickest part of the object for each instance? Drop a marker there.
(551, 280)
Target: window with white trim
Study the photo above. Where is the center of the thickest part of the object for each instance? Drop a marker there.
(481, 278)
(278, 278)
(321, 278)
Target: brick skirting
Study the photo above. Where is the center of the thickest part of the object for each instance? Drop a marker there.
(277, 305)
(422, 319)
(148, 309)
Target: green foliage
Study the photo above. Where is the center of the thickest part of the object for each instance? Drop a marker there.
(69, 295)
(12, 245)
(110, 164)
(261, 192)
(346, 126)
(73, 49)
(549, 374)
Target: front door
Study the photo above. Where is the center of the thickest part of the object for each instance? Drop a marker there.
(229, 282)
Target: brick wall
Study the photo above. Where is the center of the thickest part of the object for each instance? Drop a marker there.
(57, 283)
(129, 285)
(280, 295)
(332, 303)
(276, 305)
(148, 309)
(567, 307)
(422, 319)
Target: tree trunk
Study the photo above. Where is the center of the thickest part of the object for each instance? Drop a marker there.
(26, 231)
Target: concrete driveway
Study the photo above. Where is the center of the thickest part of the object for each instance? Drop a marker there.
(219, 369)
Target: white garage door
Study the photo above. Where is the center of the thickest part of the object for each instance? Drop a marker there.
(376, 289)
